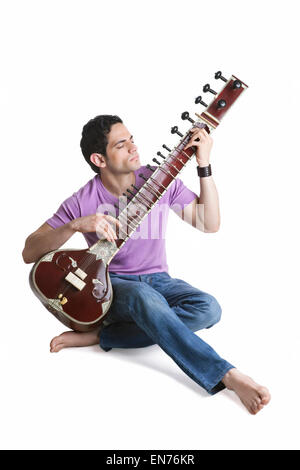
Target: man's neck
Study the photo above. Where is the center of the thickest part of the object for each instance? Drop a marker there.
(117, 184)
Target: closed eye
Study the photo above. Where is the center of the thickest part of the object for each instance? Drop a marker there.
(121, 146)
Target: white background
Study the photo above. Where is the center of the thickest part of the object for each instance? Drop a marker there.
(64, 62)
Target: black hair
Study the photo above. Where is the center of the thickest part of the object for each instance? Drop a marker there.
(94, 136)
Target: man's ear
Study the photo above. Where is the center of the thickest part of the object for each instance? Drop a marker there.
(98, 159)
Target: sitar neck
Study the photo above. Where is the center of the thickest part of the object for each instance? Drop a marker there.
(160, 179)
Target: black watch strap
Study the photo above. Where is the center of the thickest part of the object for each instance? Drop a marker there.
(204, 171)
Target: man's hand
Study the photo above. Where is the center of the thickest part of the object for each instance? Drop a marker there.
(203, 145)
(100, 223)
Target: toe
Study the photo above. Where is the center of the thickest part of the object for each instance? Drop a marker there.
(53, 341)
(56, 347)
(56, 344)
(58, 340)
(257, 401)
(265, 396)
(254, 407)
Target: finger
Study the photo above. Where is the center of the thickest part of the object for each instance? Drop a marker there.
(109, 236)
(113, 224)
(105, 229)
(110, 232)
(190, 144)
(196, 131)
(114, 227)
(194, 140)
(196, 144)
(204, 135)
(104, 234)
(113, 219)
(200, 133)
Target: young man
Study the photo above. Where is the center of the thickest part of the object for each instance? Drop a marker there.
(149, 306)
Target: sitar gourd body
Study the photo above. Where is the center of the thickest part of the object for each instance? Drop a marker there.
(79, 297)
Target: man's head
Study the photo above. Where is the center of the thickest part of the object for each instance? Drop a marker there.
(107, 144)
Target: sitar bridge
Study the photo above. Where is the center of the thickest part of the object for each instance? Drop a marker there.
(75, 280)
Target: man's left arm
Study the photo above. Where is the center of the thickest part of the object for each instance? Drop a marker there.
(204, 212)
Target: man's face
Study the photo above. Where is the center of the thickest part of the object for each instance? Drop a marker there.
(121, 151)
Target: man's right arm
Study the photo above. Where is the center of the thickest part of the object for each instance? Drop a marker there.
(46, 238)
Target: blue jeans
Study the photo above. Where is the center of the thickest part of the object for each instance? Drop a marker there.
(155, 308)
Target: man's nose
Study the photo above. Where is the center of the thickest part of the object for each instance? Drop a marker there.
(132, 147)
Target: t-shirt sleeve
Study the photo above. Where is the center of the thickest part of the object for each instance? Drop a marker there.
(180, 196)
(67, 211)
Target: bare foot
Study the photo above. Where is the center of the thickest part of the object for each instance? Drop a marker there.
(73, 338)
(251, 394)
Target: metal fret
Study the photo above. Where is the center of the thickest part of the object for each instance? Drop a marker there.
(167, 172)
(142, 207)
(168, 163)
(142, 202)
(120, 229)
(154, 193)
(134, 203)
(128, 223)
(151, 202)
(159, 184)
(179, 159)
(182, 151)
(132, 216)
(136, 215)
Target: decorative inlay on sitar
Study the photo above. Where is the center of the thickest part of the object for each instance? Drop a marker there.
(75, 285)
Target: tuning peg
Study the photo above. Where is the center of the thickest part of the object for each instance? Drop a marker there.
(185, 116)
(175, 130)
(236, 84)
(149, 168)
(219, 75)
(142, 176)
(130, 192)
(156, 161)
(198, 100)
(167, 148)
(160, 155)
(221, 104)
(135, 187)
(207, 88)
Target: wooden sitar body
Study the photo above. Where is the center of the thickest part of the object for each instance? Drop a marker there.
(80, 303)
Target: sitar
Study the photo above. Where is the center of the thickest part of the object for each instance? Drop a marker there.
(74, 285)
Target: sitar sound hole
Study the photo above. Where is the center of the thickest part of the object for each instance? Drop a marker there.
(64, 262)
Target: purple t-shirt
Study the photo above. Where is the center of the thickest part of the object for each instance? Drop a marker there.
(144, 252)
